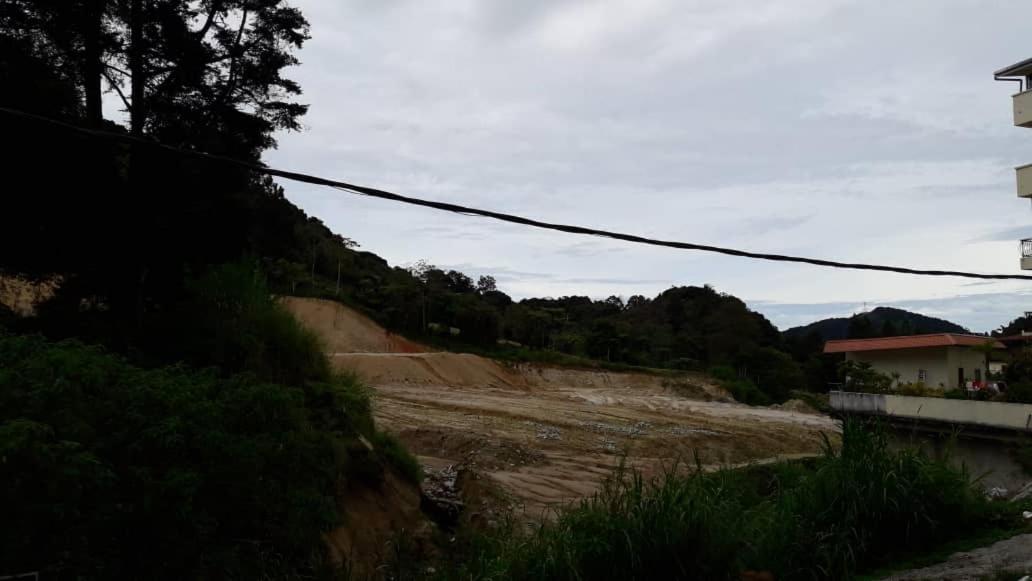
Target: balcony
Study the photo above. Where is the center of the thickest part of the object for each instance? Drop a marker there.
(1023, 109)
(1026, 254)
(1024, 180)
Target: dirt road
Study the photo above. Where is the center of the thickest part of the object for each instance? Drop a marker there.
(548, 435)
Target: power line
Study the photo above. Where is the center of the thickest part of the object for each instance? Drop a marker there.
(511, 218)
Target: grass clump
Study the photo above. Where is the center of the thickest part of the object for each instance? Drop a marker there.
(852, 509)
(862, 505)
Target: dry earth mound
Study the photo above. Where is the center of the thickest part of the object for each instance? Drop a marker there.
(453, 369)
(544, 436)
(345, 330)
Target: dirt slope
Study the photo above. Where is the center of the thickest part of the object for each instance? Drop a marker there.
(345, 330)
(545, 435)
(457, 369)
(23, 296)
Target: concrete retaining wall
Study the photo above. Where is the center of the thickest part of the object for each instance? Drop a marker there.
(1012, 416)
(859, 403)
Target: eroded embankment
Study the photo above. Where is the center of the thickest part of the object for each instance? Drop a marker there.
(548, 435)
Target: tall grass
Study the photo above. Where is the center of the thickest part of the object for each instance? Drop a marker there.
(864, 504)
(852, 509)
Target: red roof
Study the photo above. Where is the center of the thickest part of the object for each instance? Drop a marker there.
(1014, 338)
(908, 342)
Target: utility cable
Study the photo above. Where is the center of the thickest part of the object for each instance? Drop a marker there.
(511, 218)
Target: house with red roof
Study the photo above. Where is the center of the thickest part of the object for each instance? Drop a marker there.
(943, 360)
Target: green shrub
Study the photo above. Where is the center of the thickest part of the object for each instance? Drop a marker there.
(825, 519)
(723, 373)
(744, 391)
(1020, 392)
(112, 471)
(740, 388)
(230, 320)
(859, 376)
(773, 372)
(397, 456)
(918, 389)
(863, 505)
(817, 401)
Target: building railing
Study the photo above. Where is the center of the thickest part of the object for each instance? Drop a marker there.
(1026, 248)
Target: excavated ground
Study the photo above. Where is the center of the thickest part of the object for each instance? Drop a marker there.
(547, 435)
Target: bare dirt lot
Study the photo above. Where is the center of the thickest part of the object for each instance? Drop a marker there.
(546, 435)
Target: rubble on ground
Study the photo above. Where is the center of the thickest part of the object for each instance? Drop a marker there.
(637, 429)
(689, 431)
(441, 496)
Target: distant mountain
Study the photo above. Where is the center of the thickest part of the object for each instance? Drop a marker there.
(882, 321)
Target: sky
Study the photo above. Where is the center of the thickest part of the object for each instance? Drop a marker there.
(839, 129)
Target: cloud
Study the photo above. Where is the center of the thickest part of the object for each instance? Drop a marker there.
(777, 126)
(502, 274)
(589, 249)
(1006, 234)
(978, 312)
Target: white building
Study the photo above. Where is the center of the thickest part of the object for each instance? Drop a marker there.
(1021, 73)
(944, 360)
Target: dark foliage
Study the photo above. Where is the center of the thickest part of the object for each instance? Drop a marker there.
(1015, 327)
(110, 471)
(128, 227)
(853, 509)
(879, 322)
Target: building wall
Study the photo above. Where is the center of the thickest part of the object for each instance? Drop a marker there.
(907, 362)
(971, 360)
(940, 363)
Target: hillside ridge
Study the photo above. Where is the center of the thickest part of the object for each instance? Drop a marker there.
(881, 321)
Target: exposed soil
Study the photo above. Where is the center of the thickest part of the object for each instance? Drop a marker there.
(546, 435)
(376, 517)
(23, 296)
(345, 330)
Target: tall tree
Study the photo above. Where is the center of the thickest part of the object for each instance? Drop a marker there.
(203, 74)
(200, 72)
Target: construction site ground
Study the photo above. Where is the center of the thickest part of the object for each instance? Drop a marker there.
(542, 435)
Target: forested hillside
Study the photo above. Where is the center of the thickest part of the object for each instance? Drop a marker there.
(235, 460)
(880, 322)
(128, 227)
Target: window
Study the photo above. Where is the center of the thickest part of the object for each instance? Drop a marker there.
(978, 375)
(922, 374)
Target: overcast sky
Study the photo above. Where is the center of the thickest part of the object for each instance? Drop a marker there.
(840, 129)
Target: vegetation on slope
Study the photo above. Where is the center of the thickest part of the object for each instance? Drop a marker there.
(111, 470)
(153, 220)
(851, 510)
